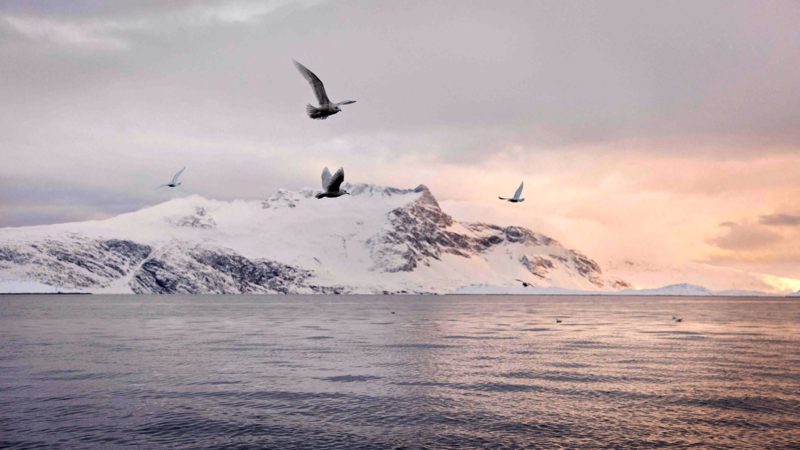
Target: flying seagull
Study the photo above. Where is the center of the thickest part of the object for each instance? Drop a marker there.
(524, 283)
(515, 198)
(331, 184)
(174, 182)
(326, 107)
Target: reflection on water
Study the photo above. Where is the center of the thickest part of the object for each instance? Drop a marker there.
(441, 372)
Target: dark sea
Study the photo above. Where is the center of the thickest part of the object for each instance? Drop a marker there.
(433, 372)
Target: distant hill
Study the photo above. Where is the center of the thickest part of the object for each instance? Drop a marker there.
(673, 290)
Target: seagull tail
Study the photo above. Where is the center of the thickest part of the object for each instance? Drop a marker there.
(314, 113)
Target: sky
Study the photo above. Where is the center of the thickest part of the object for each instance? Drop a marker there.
(662, 133)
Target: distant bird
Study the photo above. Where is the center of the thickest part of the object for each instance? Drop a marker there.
(331, 184)
(678, 319)
(515, 198)
(326, 107)
(524, 283)
(174, 182)
(558, 320)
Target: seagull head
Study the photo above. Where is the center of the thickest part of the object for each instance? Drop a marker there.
(336, 108)
(345, 192)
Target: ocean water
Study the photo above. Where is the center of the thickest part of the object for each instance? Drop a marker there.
(398, 372)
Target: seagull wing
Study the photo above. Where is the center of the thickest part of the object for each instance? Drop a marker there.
(336, 180)
(315, 82)
(519, 191)
(175, 178)
(346, 102)
(326, 178)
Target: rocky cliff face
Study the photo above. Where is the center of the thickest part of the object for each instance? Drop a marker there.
(416, 232)
(220, 271)
(73, 261)
(377, 240)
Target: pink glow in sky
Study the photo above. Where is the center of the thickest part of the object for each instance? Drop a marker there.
(659, 133)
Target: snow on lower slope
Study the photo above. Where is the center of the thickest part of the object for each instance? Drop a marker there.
(377, 240)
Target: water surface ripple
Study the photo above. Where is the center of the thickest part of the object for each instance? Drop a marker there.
(439, 372)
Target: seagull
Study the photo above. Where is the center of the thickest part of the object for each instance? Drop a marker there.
(515, 198)
(558, 320)
(174, 182)
(678, 319)
(524, 283)
(331, 184)
(326, 107)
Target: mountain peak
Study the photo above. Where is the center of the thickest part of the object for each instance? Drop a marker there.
(379, 239)
(386, 191)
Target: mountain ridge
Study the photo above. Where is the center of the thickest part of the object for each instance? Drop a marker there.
(378, 240)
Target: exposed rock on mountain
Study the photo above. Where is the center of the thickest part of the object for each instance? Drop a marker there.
(378, 240)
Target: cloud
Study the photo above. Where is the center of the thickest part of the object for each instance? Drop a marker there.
(243, 12)
(107, 29)
(92, 36)
(629, 122)
(745, 237)
(759, 246)
(24, 204)
(780, 219)
(781, 284)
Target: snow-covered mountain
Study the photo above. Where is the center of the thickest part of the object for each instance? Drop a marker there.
(672, 290)
(378, 240)
(680, 289)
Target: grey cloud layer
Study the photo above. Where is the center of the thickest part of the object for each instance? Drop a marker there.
(95, 90)
(774, 239)
(781, 219)
(745, 237)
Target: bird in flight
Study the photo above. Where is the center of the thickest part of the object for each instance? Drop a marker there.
(524, 283)
(331, 184)
(515, 198)
(174, 182)
(326, 107)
